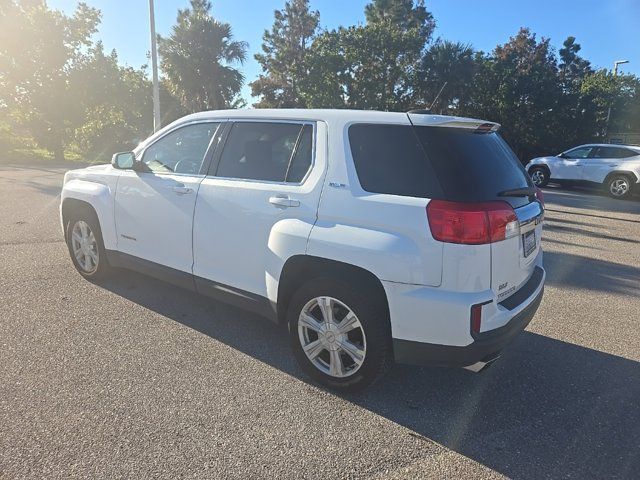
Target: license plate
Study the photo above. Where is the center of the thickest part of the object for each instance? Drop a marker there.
(529, 242)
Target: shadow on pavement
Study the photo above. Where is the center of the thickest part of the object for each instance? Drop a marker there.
(546, 409)
(575, 271)
(589, 199)
(554, 226)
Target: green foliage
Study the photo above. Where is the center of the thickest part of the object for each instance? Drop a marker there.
(60, 91)
(116, 102)
(546, 106)
(39, 48)
(517, 86)
(196, 59)
(370, 66)
(404, 15)
(284, 58)
(447, 68)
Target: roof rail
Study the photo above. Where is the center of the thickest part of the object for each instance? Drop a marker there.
(422, 111)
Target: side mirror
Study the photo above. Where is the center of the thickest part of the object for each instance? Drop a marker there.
(562, 155)
(123, 160)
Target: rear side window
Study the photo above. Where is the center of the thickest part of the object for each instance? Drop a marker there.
(267, 151)
(619, 152)
(473, 167)
(389, 159)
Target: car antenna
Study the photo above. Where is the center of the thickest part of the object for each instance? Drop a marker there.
(438, 95)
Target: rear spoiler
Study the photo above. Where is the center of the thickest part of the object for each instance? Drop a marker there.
(426, 119)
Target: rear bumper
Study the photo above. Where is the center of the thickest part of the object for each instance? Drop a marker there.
(486, 346)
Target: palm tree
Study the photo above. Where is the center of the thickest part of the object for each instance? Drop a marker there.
(196, 59)
(450, 62)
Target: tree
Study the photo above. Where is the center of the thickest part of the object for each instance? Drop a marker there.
(370, 66)
(115, 101)
(402, 14)
(39, 49)
(447, 68)
(602, 90)
(571, 120)
(284, 58)
(572, 66)
(197, 57)
(517, 86)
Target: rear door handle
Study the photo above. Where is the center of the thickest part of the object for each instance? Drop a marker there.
(182, 190)
(283, 201)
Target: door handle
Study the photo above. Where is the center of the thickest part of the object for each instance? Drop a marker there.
(283, 201)
(182, 190)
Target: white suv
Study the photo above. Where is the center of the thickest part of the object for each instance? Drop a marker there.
(615, 167)
(374, 236)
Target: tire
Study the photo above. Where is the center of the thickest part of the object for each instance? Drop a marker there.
(618, 186)
(83, 233)
(539, 176)
(370, 333)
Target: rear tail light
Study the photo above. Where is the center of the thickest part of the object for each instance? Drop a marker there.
(471, 223)
(540, 195)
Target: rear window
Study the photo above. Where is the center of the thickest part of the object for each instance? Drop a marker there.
(472, 166)
(435, 162)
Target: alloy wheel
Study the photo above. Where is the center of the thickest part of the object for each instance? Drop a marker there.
(619, 187)
(84, 246)
(332, 337)
(537, 177)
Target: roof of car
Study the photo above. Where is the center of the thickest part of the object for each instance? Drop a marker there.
(330, 115)
(327, 115)
(622, 145)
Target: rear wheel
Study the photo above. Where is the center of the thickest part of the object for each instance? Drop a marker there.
(340, 336)
(618, 186)
(84, 239)
(539, 176)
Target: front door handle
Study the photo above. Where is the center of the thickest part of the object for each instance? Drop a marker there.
(182, 190)
(283, 201)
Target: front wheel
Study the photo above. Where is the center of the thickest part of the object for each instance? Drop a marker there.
(618, 186)
(340, 335)
(539, 176)
(84, 240)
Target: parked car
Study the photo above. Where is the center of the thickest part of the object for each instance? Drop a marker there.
(375, 236)
(615, 167)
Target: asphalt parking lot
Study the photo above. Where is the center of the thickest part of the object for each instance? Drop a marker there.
(136, 378)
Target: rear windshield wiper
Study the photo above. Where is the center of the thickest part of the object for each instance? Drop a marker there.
(518, 192)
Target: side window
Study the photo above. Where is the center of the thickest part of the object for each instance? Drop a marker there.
(602, 152)
(181, 151)
(266, 151)
(613, 152)
(301, 161)
(619, 152)
(580, 152)
(389, 159)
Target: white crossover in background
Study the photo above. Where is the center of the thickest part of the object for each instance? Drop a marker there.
(615, 167)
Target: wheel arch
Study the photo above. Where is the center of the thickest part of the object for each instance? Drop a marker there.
(631, 175)
(542, 166)
(72, 206)
(78, 194)
(301, 268)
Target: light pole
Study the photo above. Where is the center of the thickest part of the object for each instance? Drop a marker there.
(615, 66)
(157, 120)
(615, 74)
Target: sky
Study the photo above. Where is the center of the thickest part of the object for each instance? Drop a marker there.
(607, 30)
